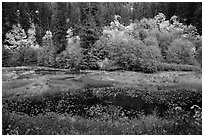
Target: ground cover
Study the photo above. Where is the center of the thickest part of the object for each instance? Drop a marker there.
(100, 102)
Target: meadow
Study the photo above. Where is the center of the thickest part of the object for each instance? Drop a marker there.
(41, 100)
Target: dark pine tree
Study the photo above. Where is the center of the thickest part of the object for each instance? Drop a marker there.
(60, 26)
(89, 32)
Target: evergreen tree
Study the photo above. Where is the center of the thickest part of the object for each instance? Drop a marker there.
(24, 15)
(89, 32)
(9, 18)
(59, 26)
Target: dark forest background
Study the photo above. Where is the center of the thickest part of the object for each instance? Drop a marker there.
(50, 16)
(85, 35)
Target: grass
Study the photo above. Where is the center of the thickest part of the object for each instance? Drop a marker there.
(91, 105)
(15, 83)
(53, 124)
(87, 112)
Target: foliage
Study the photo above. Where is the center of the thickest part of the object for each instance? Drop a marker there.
(71, 112)
(184, 121)
(139, 46)
(176, 67)
(127, 49)
(31, 56)
(72, 56)
(44, 14)
(62, 59)
(180, 51)
(22, 47)
(199, 56)
(143, 44)
(47, 53)
(88, 34)
(53, 123)
(198, 47)
(6, 53)
(16, 37)
(75, 51)
(31, 38)
(60, 26)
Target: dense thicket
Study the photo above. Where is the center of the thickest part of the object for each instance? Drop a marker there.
(102, 35)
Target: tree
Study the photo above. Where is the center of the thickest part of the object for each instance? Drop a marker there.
(47, 52)
(59, 26)
(24, 15)
(16, 37)
(89, 32)
(9, 17)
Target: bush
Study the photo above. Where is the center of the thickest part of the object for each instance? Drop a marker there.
(62, 60)
(47, 53)
(46, 56)
(30, 56)
(164, 40)
(181, 51)
(143, 43)
(177, 67)
(148, 66)
(199, 55)
(17, 57)
(75, 52)
(126, 52)
(6, 53)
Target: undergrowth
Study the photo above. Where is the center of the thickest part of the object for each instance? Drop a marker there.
(106, 110)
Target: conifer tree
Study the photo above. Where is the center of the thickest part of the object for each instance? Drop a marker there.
(89, 32)
(59, 26)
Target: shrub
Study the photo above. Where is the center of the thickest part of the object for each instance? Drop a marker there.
(46, 56)
(199, 56)
(177, 67)
(106, 64)
(62, 59)
(157, 39)
(198, 47)
(17, 57)
(149, 66)
(75, 52)
(184, 123)
(41, 56)
(30, 56)
(164, 40)
(126, 52)
(6, 53)
(47, 53)
(151, 41)
(180, 51)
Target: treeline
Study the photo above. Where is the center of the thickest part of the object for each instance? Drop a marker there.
(94, 35)
(46, 16)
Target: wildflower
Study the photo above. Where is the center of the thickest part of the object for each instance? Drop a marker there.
(178, 108)
(195, 107)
